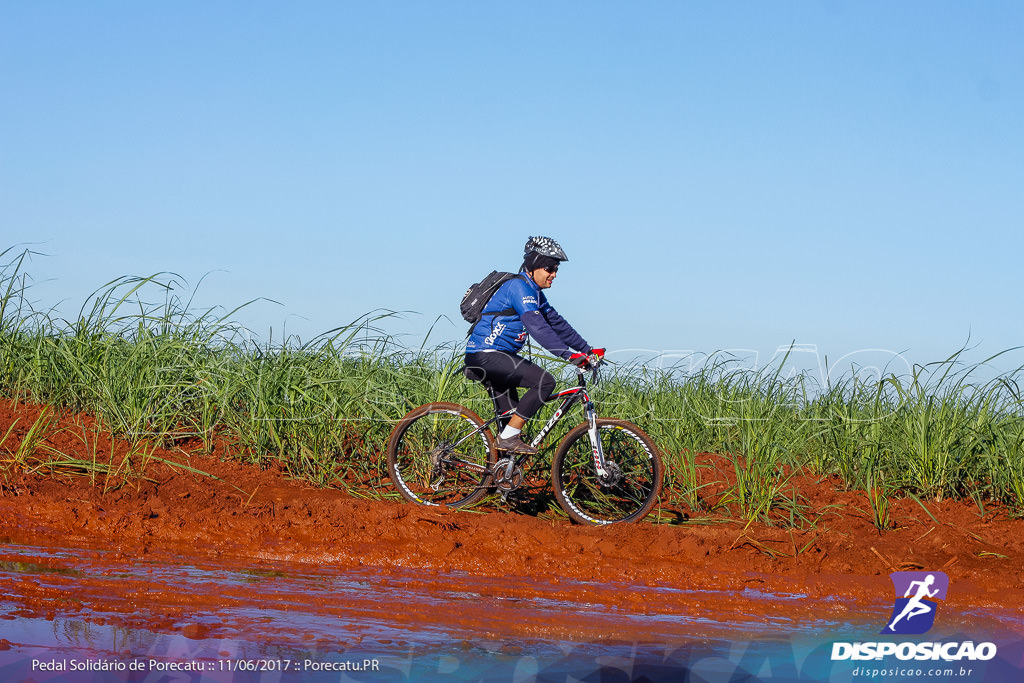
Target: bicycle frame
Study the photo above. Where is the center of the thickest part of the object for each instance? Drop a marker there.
(569, 397)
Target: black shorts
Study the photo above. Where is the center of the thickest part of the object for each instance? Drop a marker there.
(503, 373)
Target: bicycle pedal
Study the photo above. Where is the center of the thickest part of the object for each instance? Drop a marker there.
(511, 498)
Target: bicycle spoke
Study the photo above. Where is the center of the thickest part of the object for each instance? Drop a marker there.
(423, 460)
(631, 482)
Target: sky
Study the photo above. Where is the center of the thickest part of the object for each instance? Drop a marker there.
(725, 177)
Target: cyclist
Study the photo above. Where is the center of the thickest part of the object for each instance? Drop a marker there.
(519, 309)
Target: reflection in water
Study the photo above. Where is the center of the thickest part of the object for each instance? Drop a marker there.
(308, 622)
(32, 568)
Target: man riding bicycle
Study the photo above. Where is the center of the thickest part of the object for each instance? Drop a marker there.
(519, 309)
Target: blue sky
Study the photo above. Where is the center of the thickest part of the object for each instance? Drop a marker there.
(723, 175)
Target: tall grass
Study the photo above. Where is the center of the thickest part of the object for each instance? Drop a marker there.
(154, 369)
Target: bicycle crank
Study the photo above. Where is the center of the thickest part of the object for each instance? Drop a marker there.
(507, 476)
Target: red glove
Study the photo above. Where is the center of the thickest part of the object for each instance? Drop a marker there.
(580, 360)
(586, 360)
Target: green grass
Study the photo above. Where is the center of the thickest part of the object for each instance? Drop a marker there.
(156, 371)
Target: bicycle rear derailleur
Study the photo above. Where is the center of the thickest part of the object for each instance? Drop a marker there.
(438, 467)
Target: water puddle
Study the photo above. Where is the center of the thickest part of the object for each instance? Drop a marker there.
(71, 614)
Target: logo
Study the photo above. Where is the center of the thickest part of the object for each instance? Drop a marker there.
(914, 610)
(913, 613)
(498, 329)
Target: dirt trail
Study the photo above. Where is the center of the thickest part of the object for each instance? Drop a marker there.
(250, 516)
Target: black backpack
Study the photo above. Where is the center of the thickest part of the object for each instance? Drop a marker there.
(477, 296)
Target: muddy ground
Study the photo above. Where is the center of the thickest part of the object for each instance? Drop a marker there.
(242, 514)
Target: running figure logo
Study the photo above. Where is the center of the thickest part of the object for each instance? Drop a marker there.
(914, 610)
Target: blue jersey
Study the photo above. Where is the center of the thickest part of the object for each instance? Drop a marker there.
(533, 316)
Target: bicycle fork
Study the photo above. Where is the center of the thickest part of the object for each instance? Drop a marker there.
(595, 439)
(600, 464)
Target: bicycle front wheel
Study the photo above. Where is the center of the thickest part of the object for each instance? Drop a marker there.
(628, 488)
(440, 454)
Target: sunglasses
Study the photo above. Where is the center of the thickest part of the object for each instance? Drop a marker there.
(550, 269)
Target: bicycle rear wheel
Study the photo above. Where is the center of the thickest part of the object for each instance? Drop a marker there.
(629, 488)
(434, 457)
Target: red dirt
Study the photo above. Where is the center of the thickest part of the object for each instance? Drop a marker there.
(247, 516)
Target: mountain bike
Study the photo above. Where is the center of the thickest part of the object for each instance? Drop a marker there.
(603, 471)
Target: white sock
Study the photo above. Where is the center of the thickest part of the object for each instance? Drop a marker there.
(509, 432)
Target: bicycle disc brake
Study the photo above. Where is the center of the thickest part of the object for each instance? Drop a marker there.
(612, 476)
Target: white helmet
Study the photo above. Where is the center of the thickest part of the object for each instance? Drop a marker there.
(545, 246)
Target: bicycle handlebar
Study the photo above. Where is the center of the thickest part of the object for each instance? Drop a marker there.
(586, 361)
(594, 364)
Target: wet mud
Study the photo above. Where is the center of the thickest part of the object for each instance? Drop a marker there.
(211, 548)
